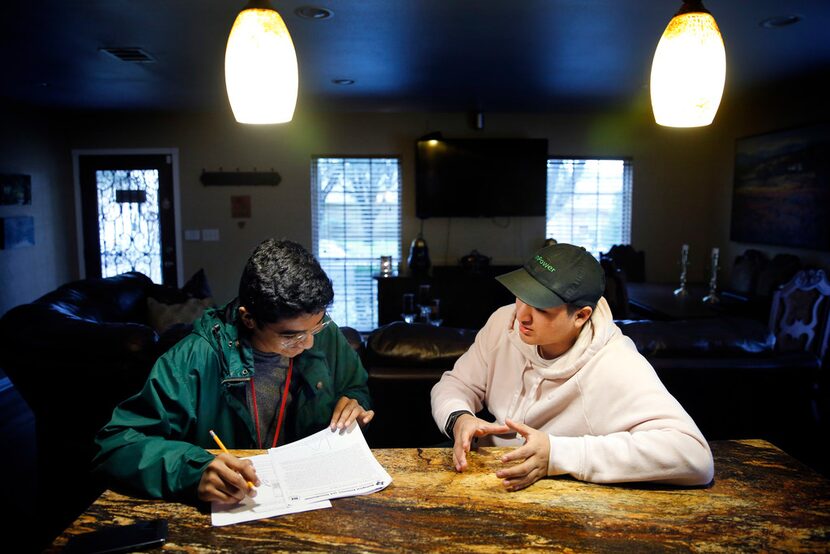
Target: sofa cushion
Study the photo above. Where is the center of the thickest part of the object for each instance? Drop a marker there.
(163, 316)
(710, 337)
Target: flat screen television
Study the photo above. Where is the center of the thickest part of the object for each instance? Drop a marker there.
(480, 177)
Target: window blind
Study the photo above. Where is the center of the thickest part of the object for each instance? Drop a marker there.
(355, 219)
(589, 202)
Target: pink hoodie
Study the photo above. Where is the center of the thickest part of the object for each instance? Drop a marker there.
(608, 417)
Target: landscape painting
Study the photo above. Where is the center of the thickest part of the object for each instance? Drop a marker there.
(17, 232)
(15, 189)
(781, 192)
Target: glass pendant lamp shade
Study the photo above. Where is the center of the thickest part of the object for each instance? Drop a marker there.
(689, 69)
(261, 66)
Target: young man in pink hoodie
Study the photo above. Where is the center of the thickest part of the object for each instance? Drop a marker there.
(566, 387)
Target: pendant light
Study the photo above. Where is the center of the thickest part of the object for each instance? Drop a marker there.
(689, 69)
(261, 66)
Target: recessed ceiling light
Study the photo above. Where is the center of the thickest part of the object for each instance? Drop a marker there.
(313, 12)
(343, 81)
(779, 21)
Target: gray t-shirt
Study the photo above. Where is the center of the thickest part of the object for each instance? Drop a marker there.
(270, 370)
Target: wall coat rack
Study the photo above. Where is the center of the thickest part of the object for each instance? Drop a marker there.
(240, 178)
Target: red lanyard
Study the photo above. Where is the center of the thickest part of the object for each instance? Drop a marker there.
(282, 406)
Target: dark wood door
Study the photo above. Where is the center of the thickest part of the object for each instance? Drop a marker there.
(128, 215)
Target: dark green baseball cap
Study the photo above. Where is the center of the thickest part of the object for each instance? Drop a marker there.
(555, 275)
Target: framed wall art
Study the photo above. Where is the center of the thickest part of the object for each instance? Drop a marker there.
(15, 189)
(17, 232)
(781, 190)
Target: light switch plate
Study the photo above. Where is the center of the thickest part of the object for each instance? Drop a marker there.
(192, 234)
(210, 234)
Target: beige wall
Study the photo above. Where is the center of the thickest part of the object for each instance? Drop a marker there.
(682, 177)
(671, 181)
(33, 143)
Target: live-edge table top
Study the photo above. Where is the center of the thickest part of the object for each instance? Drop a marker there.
(761, 500)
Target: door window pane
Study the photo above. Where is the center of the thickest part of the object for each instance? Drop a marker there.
(128, 222)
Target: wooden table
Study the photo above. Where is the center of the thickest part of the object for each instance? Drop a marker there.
(657, 301)
(761, 500)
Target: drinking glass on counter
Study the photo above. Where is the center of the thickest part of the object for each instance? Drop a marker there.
(435, 312)
(408, 312)
(423, 295)
(424, 308)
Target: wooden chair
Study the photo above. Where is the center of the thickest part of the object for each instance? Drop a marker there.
(616, 291)
(777, 272)
(800, 312)
(743, 279)
(800, 322)
(629, 260)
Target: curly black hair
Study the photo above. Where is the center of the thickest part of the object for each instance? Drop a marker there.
(282, 280)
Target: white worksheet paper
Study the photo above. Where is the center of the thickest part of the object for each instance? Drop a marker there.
(328, 464)
(268, 502)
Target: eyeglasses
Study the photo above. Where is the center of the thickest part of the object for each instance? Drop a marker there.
(290, 340)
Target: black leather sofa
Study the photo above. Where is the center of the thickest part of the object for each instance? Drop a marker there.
(78, 351)
(404, 361)
(732, 376)
(73, 355)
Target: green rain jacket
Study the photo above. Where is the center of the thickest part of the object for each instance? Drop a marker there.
(155, 442)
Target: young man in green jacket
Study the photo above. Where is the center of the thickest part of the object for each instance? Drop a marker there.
(268, 368)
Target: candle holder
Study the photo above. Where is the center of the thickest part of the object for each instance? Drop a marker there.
(712, 297)
(684, 265)
(386, 266)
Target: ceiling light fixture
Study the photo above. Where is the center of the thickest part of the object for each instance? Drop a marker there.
(689, 69)
(261, 73)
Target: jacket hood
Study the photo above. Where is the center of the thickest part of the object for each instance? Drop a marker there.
(218, 327)
(595, 334)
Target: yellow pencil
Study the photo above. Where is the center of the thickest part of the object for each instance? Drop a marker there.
(225, 450)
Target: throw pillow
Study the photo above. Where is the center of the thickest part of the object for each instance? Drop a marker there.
(163, 316)
(196, 287)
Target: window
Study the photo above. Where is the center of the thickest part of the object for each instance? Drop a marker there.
(589, 202)
(355, 219)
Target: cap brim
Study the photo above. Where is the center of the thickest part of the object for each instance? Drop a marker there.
(529, 290)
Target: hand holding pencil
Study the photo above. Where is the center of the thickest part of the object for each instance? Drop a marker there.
(225, 450)
(227, 479)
